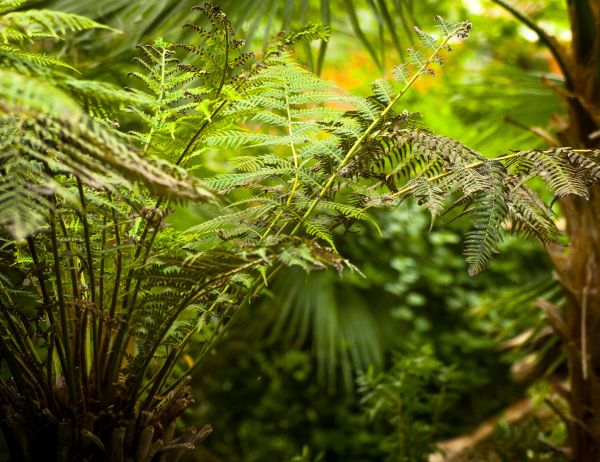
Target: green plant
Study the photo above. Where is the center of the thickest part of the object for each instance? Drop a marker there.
(408, 399)
(100, 296)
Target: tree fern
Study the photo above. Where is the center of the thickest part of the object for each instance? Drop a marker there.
(120, 294)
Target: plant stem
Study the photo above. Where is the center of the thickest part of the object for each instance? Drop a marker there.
(260, 282)
(407, 189)
(358, 143)
(296, 166)
(92, 285)
(64, 328)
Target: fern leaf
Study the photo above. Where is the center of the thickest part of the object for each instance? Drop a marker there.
(401, 73)
(530, 217)
(589, 161)
(427, 40)
(383, 91)
(55, 23)
(562, 176)
(36, 59)
(319, 229)
(488, 212)
(428, 194)
(231, 220)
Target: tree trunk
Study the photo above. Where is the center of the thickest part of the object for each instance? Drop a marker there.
(578, 271)
(578, 265)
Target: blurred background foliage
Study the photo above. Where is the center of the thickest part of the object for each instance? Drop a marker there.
(351, 368)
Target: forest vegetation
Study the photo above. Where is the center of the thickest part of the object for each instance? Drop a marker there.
(222, 240)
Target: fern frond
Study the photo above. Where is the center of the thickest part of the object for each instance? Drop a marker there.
(588, 161)
(9, 5)
(55, 23)
(30, 58)
(231, 220)
(428, 194)
(383, 91)
(488, 213)
(530, 217)
(320, 229)
(560, 173)
(24, 202)
(427, 40)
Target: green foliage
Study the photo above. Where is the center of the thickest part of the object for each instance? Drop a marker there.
(344, 323)
(118, 295)
(409, 399)
(18, 28)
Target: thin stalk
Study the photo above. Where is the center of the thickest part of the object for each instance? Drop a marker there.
(105, 339)
(72, 269)
(17, 336)
(25, 355)
(296, 184)
(79, 310)
(479, 163)
(100, 332)
(16, 372)
(49, 369)
(31, 372)
(55, 340)
(128, 305)
(92, 284)
(38, 271)
(111, 353)
(135, 388)
(160, 377)
(358, 143)
(62, 310)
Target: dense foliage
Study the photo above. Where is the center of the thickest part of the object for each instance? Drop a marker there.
(103, 300)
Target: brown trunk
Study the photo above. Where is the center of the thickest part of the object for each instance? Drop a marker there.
(578, 270)
(578, 266)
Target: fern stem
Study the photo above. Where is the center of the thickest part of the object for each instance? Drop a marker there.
(135, 387)
(100, 331)
(159, 378)
(110, 354)
(92, 282)
(18, 337)
(78, 311)
(39, 272)
(358, 143)
(64, 327)
(17, 373)
(218, 334)
(408, 189)
(46, 307)
(118, 267)
(296, 166)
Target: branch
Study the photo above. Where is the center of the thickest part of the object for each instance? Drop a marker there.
(553, 46)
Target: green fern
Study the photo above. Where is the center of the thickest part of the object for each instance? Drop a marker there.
(120, 294)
